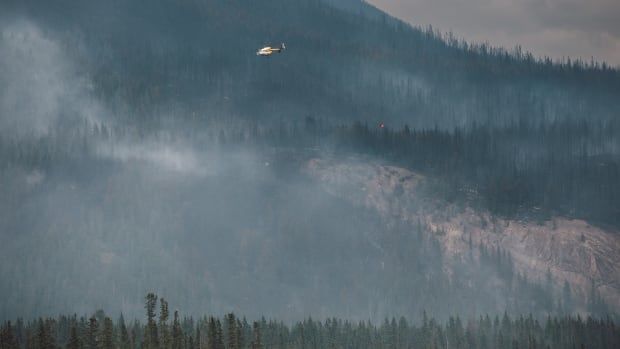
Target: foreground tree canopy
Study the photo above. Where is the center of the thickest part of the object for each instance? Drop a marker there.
(163, 330)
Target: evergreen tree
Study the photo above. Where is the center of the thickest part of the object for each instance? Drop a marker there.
(486, 332)
(177, 333)
(163, 324)
(239, 336)
(219, 335)
(74, 339)
(212, 334)
(31, 340)
(45, 336)
(107, 334)
(125, 341)
(92, 338)
(7, 337)
(256, 343)
(231, 329)
(151, 338)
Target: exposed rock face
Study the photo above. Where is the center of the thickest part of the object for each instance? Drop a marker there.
(568, 250)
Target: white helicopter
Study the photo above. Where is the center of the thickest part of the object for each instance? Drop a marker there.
(268, 50)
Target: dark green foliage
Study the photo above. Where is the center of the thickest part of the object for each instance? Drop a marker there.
(8, 340)
(177, 333)
(74, 340)
(164, 331)
(125, 341)
(502, 131)
(340, 64)
(256, 335)
(413, 278)
(92, 334)
(524, 170)
(45, 337)
(219, 335)
(151, 338)
(239, 338)
(483, 332)
(214, 334)
(232, 331)
(107, 334)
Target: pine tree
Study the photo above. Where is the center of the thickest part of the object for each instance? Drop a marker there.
(151, 338)
(44, 336)
(7, 337)
(219, 336)
(199, 342)
(125, 341)
(211, 334)
(74, 339)
(136, 334)
(31, 340)
(92, 340)
(239, 337)
(107, 334)
(256, 343)
(163, 324)
(177, 333)
(231, 329)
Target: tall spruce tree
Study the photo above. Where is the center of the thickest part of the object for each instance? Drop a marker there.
(211, 333)
(239, 337)
(92, 339)
(177, 332)
(8, 339)
(125, 341)
(107, 334)
(219, 335)
(256, 331)
(231, 330)
(151, 339)
(74, 339)
(44, 336)
(163, 325)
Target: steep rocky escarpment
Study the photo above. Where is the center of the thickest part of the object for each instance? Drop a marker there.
(567, 250)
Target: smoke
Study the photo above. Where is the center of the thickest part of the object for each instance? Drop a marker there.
(39, 86)
(164, 157)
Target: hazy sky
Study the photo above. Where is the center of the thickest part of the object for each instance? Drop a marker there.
(555, 28)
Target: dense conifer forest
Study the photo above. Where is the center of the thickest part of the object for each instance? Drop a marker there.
(166, 329)
(144, 145)
(527, 135)
(523, 170)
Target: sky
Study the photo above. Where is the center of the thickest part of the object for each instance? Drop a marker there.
(554, 28)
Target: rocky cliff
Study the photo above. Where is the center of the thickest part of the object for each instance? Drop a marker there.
(567, 250)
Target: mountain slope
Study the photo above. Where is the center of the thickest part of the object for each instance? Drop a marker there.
(157, 152)
(585, 257)
(197, 56)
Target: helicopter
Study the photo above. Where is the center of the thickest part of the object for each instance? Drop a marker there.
(268, 50)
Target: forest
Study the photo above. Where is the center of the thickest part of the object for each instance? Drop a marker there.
(523, 170)
(172, 331)
(144, 146)
(195, 61)
(528, 136)
(296, 229)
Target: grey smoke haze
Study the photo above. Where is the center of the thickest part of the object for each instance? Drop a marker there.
(211, 228)
(210, 225)
(39, 86)
(554, 28)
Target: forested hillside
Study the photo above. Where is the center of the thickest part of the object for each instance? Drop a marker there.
(144, 145)
(195, 59)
